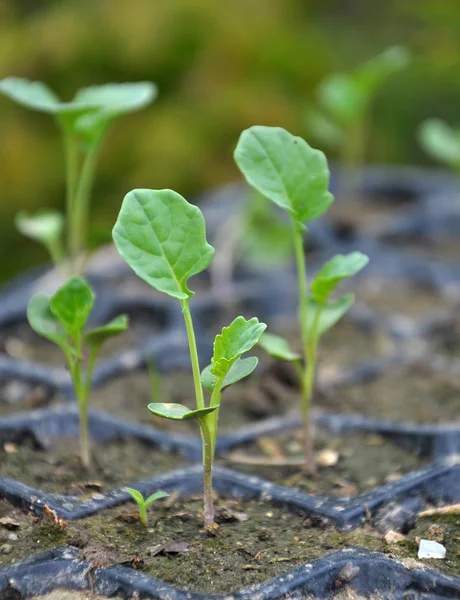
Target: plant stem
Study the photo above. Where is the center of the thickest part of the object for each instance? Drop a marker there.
(56, 252)
(143, 514)
(213, 418)
(71, 167)
(193, 353)
(81, 392)
(207, 472)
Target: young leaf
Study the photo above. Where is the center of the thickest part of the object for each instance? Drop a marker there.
(285, 169)
(332, 273)
(31, 94)
(236, 339)
(343, 98)
(162, 237)
(278, 347)
(440, 141)
(118, 98)
(155, 496)
(97, 336)
(42, 320)
(45, 227)
(72, 303)
(330, 313)
(138, 497)
(178, 412)
(240, 369)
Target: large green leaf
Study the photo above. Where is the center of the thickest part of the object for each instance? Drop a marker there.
(45, 227)
(178, 412)
(285, 169)
(72, 303)
(162, 237)
(334, 271)
(97, 336)
(236, 339)
(240, 369)
(441, 141)
(329, 314)
(278, 347)
(42, 320)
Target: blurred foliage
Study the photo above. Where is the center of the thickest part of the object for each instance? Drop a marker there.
(220, 67)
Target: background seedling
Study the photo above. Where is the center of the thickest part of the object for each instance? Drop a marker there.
(344, 101)
(162, 238)
(45, 227)
(61, 318)
(441, 142)
(84, 123)
(287, 171)
(144, 503)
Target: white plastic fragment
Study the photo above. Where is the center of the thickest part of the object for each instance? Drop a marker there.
(430, 549)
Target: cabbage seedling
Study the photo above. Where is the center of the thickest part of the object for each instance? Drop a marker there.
(45, 227)
(287, 171)
(441, 142)
(162, 238)
(144, 503)
(61, 318)
(84, 123)
(344, 101)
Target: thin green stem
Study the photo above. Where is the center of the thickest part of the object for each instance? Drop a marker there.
(81, 388)
(213, 418)
(207, 472)
(56, 252)
(193, 353)
(302, 281)
(143, 514)
(71, 168)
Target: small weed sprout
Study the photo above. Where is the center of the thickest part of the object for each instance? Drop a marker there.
(287, 171)
(441, 142)
(344, 101)
(84, 123)
(144, 503)
(61, 318)
(162, 237)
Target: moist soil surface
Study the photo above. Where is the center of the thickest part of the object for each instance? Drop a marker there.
(346, 465)
(254, 542)
(58, 468)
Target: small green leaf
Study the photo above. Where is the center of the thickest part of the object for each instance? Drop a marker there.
(330, 313)
(97, 336)
(240, 369)
(138, 497)
(440, 141)
(155, 496)
(343, 98)
(285, 169)
(236, 339)
(278, 347)
(178, 412)
(162, 237)
(323, 128)
(45, 227)
(375, 71)
(72, 303)
(31, 94)
(42, 320)
(334, 271)
(118, 98)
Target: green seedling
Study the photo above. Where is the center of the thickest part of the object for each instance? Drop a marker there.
(344, 101)
(84, 123)
(441, 142)
(61, 318)
(287, 171)
(162, 237)
(45, 227)
(144, 503)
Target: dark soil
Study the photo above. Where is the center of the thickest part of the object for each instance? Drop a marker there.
(347, 465)
(404, 393)
(58, 468)
(254, 542)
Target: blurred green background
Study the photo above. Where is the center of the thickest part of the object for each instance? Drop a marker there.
(220, 67)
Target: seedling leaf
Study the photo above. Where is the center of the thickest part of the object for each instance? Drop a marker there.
(278, 347)
(72, 303)
(42, 320)
(31, 94)
(155, 496)
(178, 412)
(138, 497)
(118, 98)
(240, 369)
(45, 227)
(236, 339)
(162, 237)
(97, 336)
(334, 271)
(285, 169)
(330, 313)
(440, 141)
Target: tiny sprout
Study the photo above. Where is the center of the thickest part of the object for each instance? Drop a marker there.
(441, 142)
(287, 171)
(45, 227)
(84, 123)
(144, 503)
(61, 318)
(162, 238)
